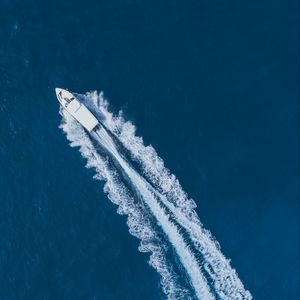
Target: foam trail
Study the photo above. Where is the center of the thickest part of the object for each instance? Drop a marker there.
(186, 257)
(164, 189)
(225, 278)
(138, 223)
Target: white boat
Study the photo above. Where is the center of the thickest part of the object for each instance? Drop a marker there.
(78, 110)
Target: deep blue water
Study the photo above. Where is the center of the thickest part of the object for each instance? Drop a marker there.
(213, 86)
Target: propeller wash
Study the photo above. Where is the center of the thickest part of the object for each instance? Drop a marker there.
(159, 213)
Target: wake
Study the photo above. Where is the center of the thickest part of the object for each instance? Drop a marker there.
(159, 212)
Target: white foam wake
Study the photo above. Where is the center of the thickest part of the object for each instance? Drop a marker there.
(186, 257)
(165, 187)
(138, 221)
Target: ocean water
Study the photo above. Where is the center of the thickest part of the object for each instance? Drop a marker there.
(212, 86)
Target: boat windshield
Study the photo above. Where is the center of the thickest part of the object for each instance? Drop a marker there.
(68, 100)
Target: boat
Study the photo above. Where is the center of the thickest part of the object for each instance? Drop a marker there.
(76, 109)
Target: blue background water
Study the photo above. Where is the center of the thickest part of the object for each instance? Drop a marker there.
(213, 86)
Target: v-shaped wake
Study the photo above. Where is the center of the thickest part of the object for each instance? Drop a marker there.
(162, 205)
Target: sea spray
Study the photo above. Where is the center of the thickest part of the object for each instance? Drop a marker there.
(139, 225)
(186, 257)
(166, 187)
